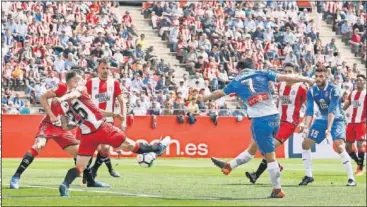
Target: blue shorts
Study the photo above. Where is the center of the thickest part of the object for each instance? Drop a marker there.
(318, 128)
(264, 130)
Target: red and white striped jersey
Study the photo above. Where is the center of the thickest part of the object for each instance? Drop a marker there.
(104, 93)
(90, 116)
(291, 99)
(358, 102)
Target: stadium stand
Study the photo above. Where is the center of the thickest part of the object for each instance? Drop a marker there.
(168, 54)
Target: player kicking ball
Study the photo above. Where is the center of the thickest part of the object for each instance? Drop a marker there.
(291, 98)
(356, 128)
(252, 87)
(330, 124)
(94, 130)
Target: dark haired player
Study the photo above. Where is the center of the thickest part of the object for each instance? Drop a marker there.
(252, 86)
(94, 130)
(291, 98)
(329, 124)
(356, 128)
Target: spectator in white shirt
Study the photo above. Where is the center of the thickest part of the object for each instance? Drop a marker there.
(51, 81)
(291, 58)
(137, 83)
(139, 109)
(59, 64)
(183, 89)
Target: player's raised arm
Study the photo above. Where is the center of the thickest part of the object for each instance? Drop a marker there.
(294, 79)
(214, 95)
(228, 89)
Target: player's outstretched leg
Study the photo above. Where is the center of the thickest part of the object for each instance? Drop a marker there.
(307, 161)
(340, 148)
(142, 147)
(243, 158)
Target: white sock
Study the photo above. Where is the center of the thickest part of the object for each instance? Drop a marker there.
(241, 159)
(347, 164)
(274, 174)
(307, 162)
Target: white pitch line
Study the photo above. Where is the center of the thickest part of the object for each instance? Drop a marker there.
(111, 192)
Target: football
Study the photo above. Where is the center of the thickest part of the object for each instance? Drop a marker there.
(146, 159)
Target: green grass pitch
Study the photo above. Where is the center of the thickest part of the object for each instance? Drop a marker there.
(181, 182)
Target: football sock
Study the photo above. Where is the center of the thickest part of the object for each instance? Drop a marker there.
(26, 161)
(241, 159)
(353, 155)
(98, 162)
(347, 164)
(87, 174)
(142, 147)
(107, 161)
(90, 162)
(307, 162)
(262, 167)
(274, 174)
(71, 175)
(361, 154)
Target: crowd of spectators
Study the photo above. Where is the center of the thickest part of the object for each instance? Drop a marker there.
(210, 37)
(43, 40)
(348, 20)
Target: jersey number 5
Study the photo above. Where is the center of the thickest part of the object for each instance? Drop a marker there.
(79, 110)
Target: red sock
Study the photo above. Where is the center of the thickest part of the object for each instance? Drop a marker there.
(33, 152)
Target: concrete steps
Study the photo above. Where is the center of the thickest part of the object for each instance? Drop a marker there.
(151, 36)
(326, 34)
(161, 47)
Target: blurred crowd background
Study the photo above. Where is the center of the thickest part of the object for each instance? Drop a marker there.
(43, 40)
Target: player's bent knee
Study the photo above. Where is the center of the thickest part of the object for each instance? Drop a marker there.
(39, 144)
(360, 144)
(339, 145)
(252, 148)
(270, 157)
(307, 143)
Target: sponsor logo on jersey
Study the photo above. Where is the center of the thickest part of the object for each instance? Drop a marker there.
(285, 100)
(356, 104)
(323, 104)
(103, 97)
(257, 99)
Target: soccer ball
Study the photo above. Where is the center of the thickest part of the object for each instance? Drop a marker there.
(146, 159)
